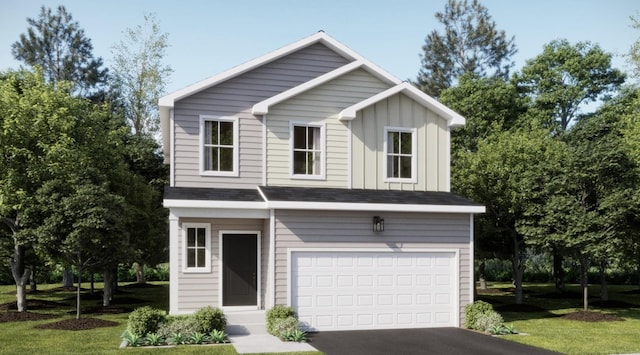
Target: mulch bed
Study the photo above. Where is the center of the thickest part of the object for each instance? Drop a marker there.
(33, 304)
(104, 310)
(588, 316)
(79, 324)
(24, 316)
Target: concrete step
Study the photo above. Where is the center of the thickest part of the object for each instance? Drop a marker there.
(246, 322)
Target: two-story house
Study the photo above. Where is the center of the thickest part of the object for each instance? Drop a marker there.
(313, 178)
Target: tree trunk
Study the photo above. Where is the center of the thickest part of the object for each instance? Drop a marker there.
(482, 275)
(517, 268)
(584, 281)
(21, 275)
(107, 291)
(604, 290)
(558, 272)
(140, 278)
(93, 280)
(32, 280)
(67, 278)
(78, 290)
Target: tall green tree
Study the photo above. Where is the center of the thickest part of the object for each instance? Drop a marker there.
(501, 175)
(564, 77)
(470, 44)
(57, 44)
(140, 74)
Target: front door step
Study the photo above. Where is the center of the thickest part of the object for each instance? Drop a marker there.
(246, 322)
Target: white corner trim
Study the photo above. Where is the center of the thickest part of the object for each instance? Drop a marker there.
(453, 118)
(271, 279)
(264, 150)
(174, 265)
(472, 281)
(172, 149)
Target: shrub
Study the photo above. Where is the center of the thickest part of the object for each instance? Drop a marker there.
(295, 335)
(210, 319)
(278, 312)
(282, 327)
(488, 321)
(178, 325)
(481, 316)
(218, 337)
(145, 320)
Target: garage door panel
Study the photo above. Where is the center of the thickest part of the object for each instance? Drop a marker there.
(368, 290)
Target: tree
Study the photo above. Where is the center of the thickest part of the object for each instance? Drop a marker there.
(565, 76)
(470, 44)
(140, 75)
(57, 44)
(36, 124)
(500, 175)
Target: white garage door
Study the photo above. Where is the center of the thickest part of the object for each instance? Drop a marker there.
(374, 290)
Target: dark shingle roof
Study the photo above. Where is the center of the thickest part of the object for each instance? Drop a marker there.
(305, 194)
(308, 194)
(208, 194)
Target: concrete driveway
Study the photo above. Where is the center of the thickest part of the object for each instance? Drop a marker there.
(432, 341)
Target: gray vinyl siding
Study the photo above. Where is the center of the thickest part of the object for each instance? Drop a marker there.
(329, 229)
(235, 98)
(318, 105)
(368, 145)
(197, 290)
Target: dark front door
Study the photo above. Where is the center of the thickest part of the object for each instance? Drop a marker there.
(239, 270)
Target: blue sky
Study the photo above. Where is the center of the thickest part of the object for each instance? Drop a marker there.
(208, 37)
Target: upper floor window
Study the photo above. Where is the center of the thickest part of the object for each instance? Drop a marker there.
(219, 145)
(307, 150)
(400, 154)
(196, 252)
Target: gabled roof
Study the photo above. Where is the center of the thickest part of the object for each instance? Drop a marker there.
(262, 107)
(453, 118)
(166, 102)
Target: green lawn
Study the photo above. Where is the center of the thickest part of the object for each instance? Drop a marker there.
(547, 328)
(23, 338)
(543, 325)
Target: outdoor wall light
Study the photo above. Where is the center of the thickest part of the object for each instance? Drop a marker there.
(378, 224)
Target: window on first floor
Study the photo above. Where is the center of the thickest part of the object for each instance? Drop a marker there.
(400, 154)
(219, 145)
(196, 251)
(307, 150)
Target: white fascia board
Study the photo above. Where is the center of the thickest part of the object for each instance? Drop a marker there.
(334, 206)
(213, 204)
(453, 119)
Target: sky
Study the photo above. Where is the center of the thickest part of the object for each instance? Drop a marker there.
(207, 37)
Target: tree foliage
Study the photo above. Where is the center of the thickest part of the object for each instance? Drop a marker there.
(57, 44)
(470, 44)
(565, 76)
(140, 74)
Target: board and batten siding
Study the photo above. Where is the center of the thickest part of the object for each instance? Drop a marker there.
(235, 97)
(368, 145)
(197, 290)
(318, 105)
(352, 230)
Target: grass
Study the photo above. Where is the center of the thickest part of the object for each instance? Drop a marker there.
(23, 338)
(545, 326)
(547, 329)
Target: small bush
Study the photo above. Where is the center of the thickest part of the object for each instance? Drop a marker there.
(210, 319)
(295, 335)
(218, 337)
(178, 325)
(278, 312)
(488, 321)
(284, 326)
(474, 311)
(145, 320)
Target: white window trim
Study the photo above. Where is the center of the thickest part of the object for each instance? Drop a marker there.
(236, 146)
(414, 151)
(207, 245)
(323, 151)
